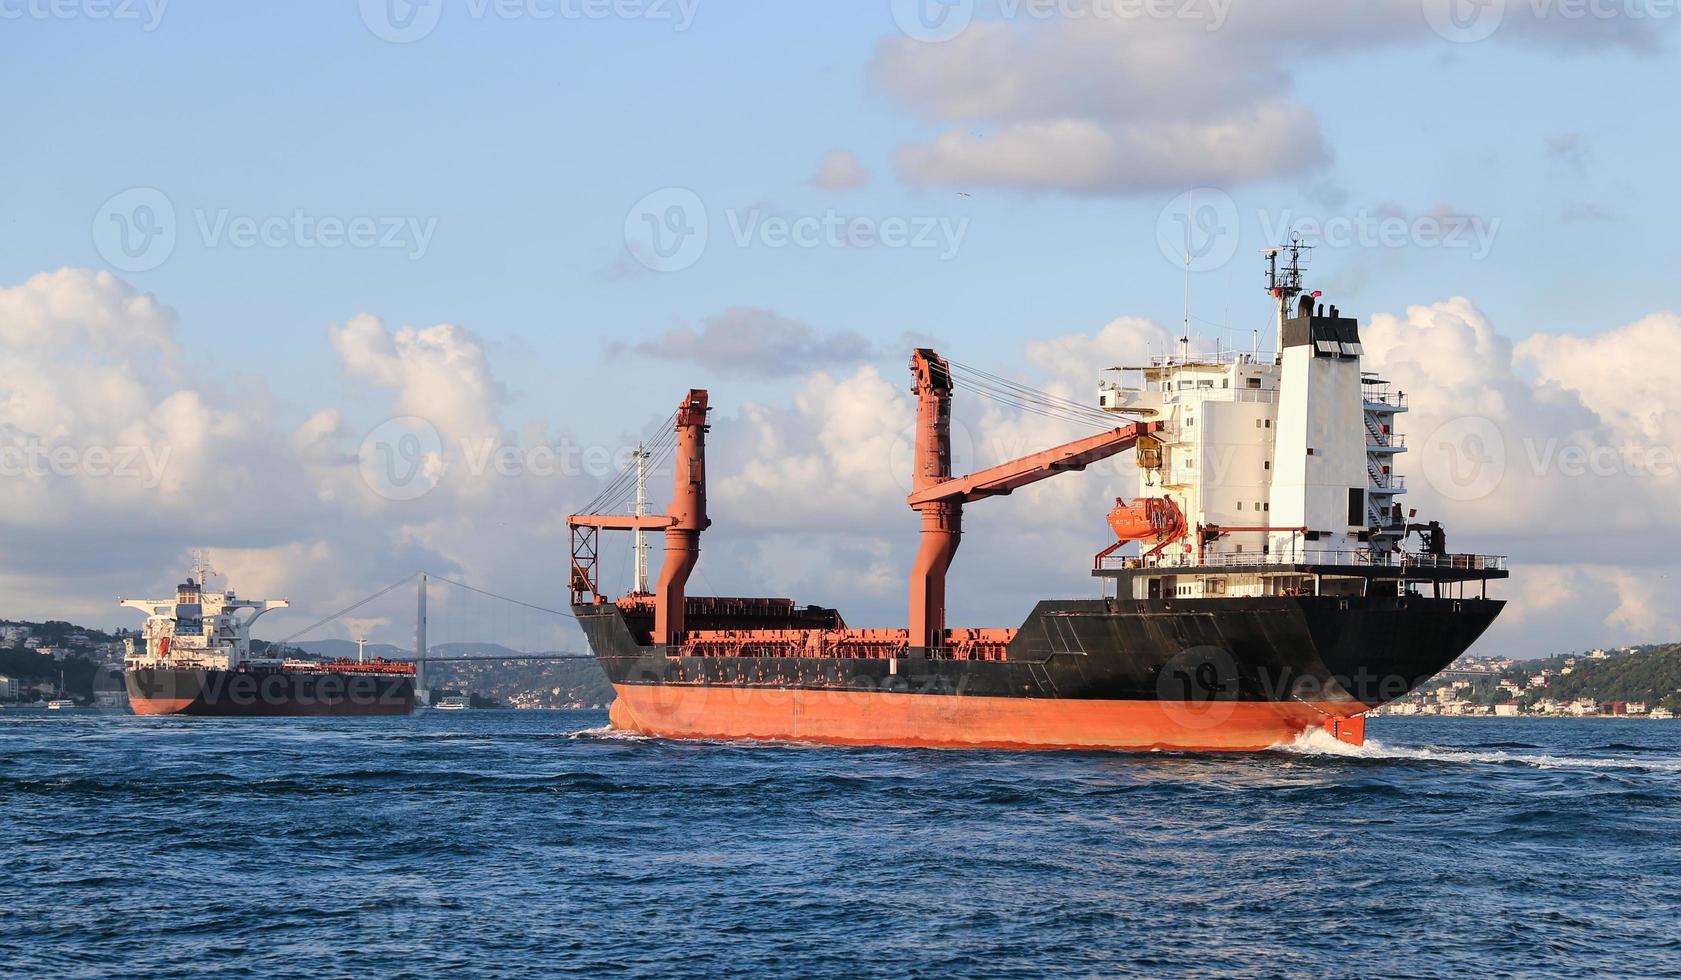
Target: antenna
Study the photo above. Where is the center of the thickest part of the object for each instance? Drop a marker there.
(201, 566)
(1285, 284)
(1185, 328)
(641, 543)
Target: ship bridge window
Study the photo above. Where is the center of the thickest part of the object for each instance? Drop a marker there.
(1252, 382)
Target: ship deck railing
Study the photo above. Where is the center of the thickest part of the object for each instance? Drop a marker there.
(1363, 563)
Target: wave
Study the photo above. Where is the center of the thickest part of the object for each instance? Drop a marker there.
(1318, 742)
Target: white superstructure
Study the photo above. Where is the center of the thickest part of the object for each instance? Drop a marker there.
(1282, 458)
(197, 628)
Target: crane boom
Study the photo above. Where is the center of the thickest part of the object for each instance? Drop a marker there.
(1004, 478)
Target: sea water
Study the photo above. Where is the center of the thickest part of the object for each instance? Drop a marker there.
(520, 843)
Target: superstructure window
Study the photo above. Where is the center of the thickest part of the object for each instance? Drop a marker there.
(1356, 507)
(1253, 382)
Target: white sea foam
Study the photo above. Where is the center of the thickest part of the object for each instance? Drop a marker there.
(1318, 742)
(610, 734)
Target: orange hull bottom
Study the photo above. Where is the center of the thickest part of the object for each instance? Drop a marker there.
(947, 721)
(159, 706)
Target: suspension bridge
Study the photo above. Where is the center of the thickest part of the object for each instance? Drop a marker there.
(454, 623)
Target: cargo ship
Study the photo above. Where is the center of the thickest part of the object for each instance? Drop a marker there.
(1264, 583)
(194, 658)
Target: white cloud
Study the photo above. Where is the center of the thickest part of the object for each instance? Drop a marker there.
(1131, 104)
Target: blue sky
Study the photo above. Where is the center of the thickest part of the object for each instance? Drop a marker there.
(525, 144)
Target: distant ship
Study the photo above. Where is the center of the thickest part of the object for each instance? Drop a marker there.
(453, 704)
(1272, 592)
(196, 660)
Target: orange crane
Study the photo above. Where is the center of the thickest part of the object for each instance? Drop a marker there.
(939, 497)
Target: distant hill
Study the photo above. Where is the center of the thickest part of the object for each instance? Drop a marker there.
(1651, 674)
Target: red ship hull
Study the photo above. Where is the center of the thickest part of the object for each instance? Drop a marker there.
(961, 721)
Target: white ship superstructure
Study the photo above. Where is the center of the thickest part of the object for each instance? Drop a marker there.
(1272, 463)
(197, 628)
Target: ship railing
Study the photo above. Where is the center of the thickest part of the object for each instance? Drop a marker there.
(1402, 560)
(1261, 396)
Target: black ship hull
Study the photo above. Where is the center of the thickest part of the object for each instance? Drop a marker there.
(267, 692)
(1215, 674)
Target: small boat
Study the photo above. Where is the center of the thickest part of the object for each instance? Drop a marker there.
(61, 702)
(452, 704)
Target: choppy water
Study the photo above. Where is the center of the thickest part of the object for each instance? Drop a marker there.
(519, 843)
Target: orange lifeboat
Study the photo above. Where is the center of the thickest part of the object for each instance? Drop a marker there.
(1155, 519)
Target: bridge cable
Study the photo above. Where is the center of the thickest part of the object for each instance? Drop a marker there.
(347, 610)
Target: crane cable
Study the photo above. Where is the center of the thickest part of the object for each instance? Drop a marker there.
(1031, 400)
